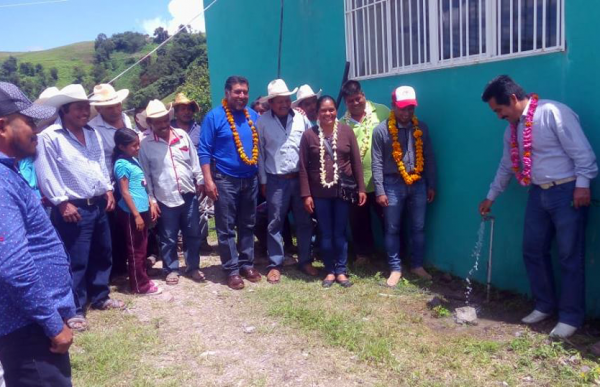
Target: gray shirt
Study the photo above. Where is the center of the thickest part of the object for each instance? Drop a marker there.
(383, 162)
(107, 132)
(279, 146)
(560, 149)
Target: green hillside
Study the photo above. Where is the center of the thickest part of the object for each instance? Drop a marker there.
(64, 58)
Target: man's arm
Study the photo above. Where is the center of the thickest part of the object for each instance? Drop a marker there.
(49, 179)
(377, 146)
(262, 174)
(147, 168)
(575, 144)
(196, 170)
(19, 276)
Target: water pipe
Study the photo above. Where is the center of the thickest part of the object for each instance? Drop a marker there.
(491, 219)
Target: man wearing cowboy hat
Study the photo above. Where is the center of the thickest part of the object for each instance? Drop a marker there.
(306, 102)
(37, 296)
(232, 182)
(280, 131)
(72, 174)
(175, 182)
(109, 104)
(184, 109)
(363, 116)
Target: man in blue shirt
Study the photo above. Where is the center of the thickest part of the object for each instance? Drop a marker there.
(545, 146)
(35, 281)
(228, 152)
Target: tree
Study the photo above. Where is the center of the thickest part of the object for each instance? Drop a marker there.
(39, 68)
(26, 68)
(9, 66)
(99, 73)
(197, 86)
(54, 74)
(78, 74)
(160, 35)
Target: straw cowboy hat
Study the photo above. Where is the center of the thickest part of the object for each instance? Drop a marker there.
(277, 88)
(46, 95)
(106, 95)
(181, 99)
(304, 92)
(155, 109)
(68, 94)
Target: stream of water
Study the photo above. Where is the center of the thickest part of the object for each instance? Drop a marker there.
(475, 254)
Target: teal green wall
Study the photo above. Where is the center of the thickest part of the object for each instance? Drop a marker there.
(466, 135)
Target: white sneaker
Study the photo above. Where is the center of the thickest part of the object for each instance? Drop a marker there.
(535, 317)
(562, 331)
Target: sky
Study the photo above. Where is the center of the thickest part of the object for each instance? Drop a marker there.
(33, 25)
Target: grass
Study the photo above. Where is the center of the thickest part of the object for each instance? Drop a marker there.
(392, 330)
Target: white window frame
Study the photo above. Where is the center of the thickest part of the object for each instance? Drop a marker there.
(492, 38)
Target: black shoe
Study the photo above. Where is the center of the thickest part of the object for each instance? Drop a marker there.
(327, 283)
(345, 284)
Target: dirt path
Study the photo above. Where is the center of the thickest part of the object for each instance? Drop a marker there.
(215, 336)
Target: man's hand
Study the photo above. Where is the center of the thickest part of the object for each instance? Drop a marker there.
(581, 197)
(362, 199)
(110, 201)
(211, 190)
(61, 343)
(430, 195)
(382, 200)
(485, 207)
(263, 190)
(139, 222)
(309, 204)
(69, 212)
(154, 211)
(200, 191)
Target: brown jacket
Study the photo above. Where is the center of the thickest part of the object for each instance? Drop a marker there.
(348, 158)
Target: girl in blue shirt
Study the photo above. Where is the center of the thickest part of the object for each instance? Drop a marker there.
(133, 209)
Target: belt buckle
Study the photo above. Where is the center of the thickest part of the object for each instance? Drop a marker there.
(90, 201)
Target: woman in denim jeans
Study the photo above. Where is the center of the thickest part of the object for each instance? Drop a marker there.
(329, 153)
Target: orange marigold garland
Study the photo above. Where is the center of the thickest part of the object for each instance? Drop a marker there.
(409, 178)
(236, 136)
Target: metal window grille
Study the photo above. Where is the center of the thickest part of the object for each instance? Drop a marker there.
(385, 37)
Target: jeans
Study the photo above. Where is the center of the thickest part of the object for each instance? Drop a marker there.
(360, 219)
(27, 361)
(550, 214)
(136, 248)
(332, 217)
(281, 194)
(235, 209)
(184, 218)
(89, 246)
(414, 197)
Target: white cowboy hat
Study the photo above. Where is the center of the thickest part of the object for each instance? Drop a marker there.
(277, 88)
(304, 92)
(155, 109)
(106, 95)
(68, 94)
(46, 95)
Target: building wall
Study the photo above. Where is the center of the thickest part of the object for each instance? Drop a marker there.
(466, 135)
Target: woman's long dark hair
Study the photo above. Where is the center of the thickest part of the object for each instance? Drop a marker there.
(123, 137)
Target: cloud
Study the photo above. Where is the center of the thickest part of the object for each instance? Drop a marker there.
(34, 48)
(181, 12)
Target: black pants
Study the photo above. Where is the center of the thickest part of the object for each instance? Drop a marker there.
(360, 224)
(27, 361)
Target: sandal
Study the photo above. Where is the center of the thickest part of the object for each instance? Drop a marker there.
(172, 278)
(78, 323)
(344, 283)
(110, 304)
(197, 275)
(152, 291)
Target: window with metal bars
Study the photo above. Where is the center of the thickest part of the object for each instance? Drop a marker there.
(385, 37)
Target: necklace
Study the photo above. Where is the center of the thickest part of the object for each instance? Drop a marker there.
(236, 136)
(323, 172)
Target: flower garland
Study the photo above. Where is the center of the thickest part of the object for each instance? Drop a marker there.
(236, 136)
(366, 124)
(323, 173)
(409, 179)
(524, 176)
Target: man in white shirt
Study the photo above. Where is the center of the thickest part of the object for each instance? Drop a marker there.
(109, 104)
(280, 131)
(175, 182)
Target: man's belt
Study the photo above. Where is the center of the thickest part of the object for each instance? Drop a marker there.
(86, 202)
(557, 182)
(288, 176)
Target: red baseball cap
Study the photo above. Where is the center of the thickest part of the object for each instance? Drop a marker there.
(404, 96)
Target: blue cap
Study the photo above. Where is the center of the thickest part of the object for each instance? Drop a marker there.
(13, 100)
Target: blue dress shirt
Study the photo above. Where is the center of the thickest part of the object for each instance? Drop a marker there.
(35, 276)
